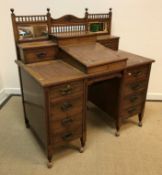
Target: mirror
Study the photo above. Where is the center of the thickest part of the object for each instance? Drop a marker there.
(32, 32)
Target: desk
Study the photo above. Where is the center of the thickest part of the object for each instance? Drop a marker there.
(60, 72)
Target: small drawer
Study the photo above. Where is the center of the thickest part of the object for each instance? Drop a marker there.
(135, 74)
(38, 54)
(134, 87)
(110, 43)
(130, 111)
(67, 123)
(66, 108)
(66, 136)
(66, 90)
(134, 99)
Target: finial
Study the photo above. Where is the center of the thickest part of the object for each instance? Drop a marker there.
(48, 10)
(86, 10)
(110, 10)
(12, 10)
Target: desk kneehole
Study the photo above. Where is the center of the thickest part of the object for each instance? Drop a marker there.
(110, 67)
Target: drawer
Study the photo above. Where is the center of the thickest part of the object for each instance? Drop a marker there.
(38, 54)
(66, 90)
(134, 99)
(134, 87)
(66, 124)
(130, 111)
(66, 108)
(110, 43)
(138, 73)
(66, 136)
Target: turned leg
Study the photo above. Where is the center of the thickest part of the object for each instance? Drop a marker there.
(118, 123)
(82, 141)
(140, 116)
(27, 123)
(49, 163)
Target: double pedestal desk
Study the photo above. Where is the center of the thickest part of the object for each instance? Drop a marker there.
(61, 73)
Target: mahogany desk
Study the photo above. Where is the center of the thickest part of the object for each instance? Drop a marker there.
(69, 64)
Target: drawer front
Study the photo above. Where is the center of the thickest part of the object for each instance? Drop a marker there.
(66, 108)
(134, 99)
(66, 124)
(66, 136)
(134, 74)
(111, 43)
(135, 87)
(130, 111)
(40, 54)
(66, 90)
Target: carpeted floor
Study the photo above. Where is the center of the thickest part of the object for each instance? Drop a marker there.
(138, 151)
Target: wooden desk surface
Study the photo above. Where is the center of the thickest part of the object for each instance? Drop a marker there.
(92, 54)
(133, 59)
(52, 72)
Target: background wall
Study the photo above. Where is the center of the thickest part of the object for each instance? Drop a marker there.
(138, 23)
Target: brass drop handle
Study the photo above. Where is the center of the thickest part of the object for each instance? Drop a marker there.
(66, 121)
(137, 73)
(135, 86)
(41, 55)
(66, 90)
(65, 106)
(130, 111)
(67, 136)
(133, 98)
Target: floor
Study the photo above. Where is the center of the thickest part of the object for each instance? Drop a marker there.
(138, 151)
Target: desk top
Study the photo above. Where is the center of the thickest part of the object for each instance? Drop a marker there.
(92, 54)
(52, 72)
(133, 59)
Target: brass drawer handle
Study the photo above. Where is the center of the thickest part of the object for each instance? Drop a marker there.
(133, 98)
(130, 111)
(137, 73)
(66, 121)
(66, 90)
(67, 136)
(41, 55)
(136, 86)
(66, 106)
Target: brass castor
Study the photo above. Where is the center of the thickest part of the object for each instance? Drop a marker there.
(117, 133)
(140, 124)
(49, 165)
(81, 150)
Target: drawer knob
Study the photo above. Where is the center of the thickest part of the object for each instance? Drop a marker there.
(66, 121)
(66, 90)
(41, 55)
(67, 136)
(66, 106)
